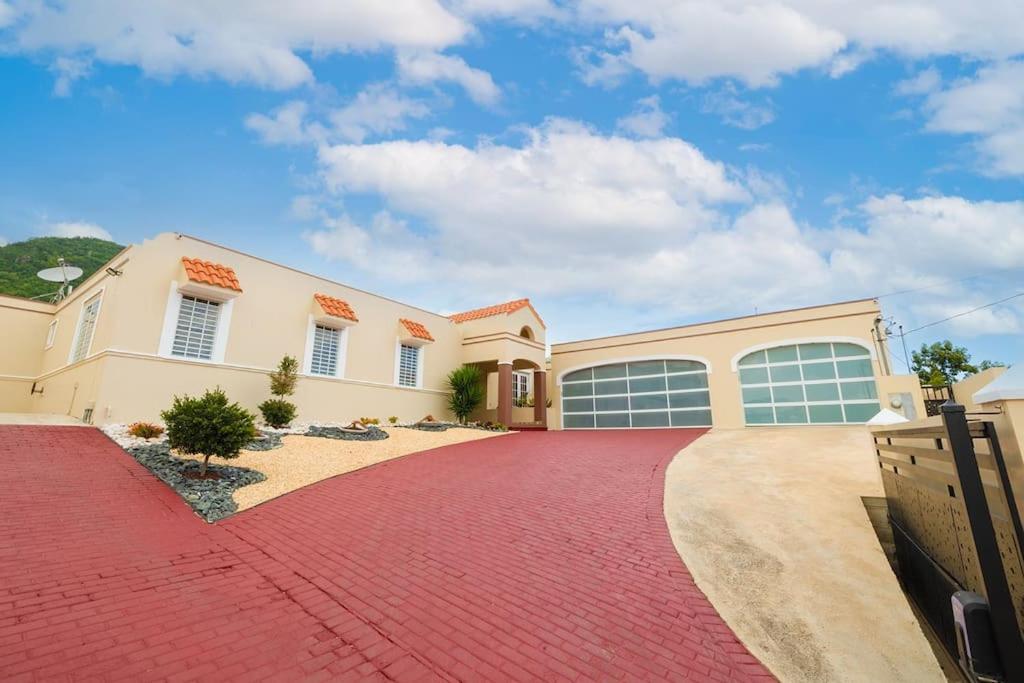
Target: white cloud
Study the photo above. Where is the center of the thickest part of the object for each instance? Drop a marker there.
(924, 82)
(989, 106)
(378, 109)
(68, 70)
(700, 40)
(734, 111)
(285, 126)
(647, 119)
(248, 41)
(76, 229)
(649, 226)
(524, 11)
(7, 14)
(423, 68)
(756, 42)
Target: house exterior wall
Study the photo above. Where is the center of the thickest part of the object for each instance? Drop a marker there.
(720, 344)
(23, 328)
(124, 377)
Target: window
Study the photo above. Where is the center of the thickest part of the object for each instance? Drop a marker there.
(324, 355)
(51, 333)
(520, 386)
(408, 366)
(86, 327)
(819, 383)
(645, 393)
(196, 331)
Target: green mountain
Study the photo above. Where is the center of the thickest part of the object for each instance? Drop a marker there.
(20, 261)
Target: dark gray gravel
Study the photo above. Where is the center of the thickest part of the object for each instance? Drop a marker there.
(372, 434)
(445, 426)
(210, 498)
(267, 441)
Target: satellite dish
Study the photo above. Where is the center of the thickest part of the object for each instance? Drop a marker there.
(63, 274)
(60, 274)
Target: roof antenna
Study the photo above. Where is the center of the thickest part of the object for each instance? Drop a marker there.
(63, 274)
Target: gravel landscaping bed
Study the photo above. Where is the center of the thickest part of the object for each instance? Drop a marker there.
(267, 441)
(445, 426)
(372, 433)
(210, 498)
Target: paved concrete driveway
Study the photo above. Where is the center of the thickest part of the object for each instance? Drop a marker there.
(532, 556)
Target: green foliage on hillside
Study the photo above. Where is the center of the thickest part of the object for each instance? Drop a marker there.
(20, 261)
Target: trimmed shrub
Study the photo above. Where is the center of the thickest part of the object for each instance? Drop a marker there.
(145, 430)
(467, 391)
(277, 412)
(209, 426)
(393, 419)
(369, 420)
(282, 380)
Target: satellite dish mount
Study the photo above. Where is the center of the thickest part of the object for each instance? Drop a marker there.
(63, 274)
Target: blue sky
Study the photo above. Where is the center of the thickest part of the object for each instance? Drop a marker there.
(624, 164)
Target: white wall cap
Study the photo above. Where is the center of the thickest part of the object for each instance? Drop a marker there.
(1008, 386)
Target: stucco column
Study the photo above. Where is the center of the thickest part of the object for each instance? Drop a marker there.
(505, 393)
(540, 397)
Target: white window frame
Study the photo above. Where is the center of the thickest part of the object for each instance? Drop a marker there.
(51, 333)
(307, 361)
(98, 296)
(419, 363)
(171, 313)
(527, 384)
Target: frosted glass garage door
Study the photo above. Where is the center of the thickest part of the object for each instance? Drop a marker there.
(825, 383)
(649, 393)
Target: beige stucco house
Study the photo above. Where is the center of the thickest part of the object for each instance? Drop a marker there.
(176, 315)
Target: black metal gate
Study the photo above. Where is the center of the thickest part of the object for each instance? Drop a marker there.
(957, 527)
(935, 396)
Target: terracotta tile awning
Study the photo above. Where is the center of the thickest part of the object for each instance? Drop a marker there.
(416, 329)
(209, 273)
(338, 308)
(498, 309)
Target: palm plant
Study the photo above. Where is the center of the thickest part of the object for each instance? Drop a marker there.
(467, 391)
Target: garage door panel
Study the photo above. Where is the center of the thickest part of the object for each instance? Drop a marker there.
(637, 394)
(819, 383)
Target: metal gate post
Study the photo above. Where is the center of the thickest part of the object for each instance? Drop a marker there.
(997, 590)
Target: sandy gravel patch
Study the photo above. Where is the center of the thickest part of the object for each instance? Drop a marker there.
(771, 524)
(305, 460)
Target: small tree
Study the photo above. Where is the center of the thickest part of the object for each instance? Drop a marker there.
(208, 426)
(942, 363)
(279, 412)
(467, 391)
(282, 380)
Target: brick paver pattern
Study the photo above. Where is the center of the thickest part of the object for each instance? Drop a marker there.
(534, 556)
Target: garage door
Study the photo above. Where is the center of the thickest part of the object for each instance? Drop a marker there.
(648, 393)
(822, 383)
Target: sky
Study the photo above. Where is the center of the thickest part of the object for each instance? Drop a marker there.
(626, 164)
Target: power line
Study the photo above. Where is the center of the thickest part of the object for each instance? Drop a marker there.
(946, 282)
(958, 315)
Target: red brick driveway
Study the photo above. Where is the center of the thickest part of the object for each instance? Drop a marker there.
(524, 557)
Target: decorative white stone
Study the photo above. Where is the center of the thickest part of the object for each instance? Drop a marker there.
(887, 417)
(1007, 387)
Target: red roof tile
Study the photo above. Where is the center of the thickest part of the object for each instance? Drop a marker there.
(416, 329)
(499, 309)
(336, 307)
(210, 273)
